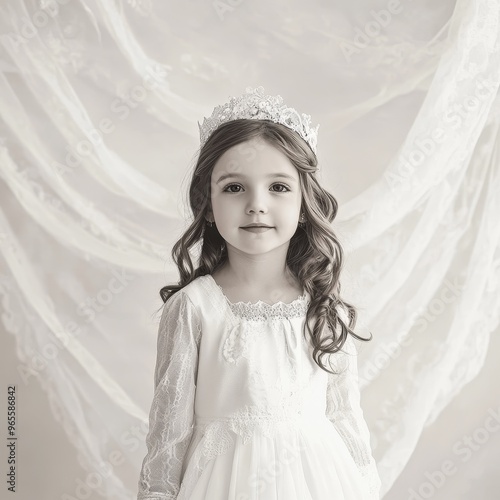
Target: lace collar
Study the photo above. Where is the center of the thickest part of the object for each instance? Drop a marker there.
(262, 310)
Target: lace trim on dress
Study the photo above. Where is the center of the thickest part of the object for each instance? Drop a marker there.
(261, 311)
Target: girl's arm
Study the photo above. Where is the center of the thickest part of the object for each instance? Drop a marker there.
(172, 409)
(344, 411)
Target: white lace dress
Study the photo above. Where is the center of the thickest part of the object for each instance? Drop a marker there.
(242, 412)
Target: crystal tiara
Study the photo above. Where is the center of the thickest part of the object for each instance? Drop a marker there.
(255, 105)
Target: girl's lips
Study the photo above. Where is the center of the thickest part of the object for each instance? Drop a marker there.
(256, 229)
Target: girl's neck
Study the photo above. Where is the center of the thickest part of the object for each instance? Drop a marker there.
(257, 279)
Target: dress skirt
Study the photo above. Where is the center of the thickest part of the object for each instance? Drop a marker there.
(308, 461)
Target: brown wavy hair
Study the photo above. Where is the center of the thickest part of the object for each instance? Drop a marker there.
(314, 254)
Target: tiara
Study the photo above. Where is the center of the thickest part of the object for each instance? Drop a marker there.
(255, 105)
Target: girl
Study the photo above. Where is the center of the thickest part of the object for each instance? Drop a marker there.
(244, 406)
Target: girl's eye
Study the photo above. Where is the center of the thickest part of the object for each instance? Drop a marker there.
(229, 186)
(282, 185)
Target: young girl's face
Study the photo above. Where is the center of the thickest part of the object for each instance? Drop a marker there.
(255, 182)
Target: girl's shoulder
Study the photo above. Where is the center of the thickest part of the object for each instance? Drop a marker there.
(196, 292)
(189, 301)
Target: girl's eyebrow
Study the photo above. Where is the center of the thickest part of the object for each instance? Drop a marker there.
(227, 176)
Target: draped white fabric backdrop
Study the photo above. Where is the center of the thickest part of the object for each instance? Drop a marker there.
(99, 108)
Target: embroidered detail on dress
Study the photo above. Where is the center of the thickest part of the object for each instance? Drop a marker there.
(237, 337)
(244, 423)
(261, 311)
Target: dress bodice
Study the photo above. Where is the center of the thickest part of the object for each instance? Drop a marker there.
(264, 365)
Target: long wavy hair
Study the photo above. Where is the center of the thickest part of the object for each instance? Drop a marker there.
(314, 254)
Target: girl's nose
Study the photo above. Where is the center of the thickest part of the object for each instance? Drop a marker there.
(261, 210)
(256, 203)
(256, 207)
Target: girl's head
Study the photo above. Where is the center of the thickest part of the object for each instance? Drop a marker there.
(238, 159)
(249, 150)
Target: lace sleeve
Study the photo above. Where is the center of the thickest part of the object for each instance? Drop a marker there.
(344, 411)
(172, 409)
